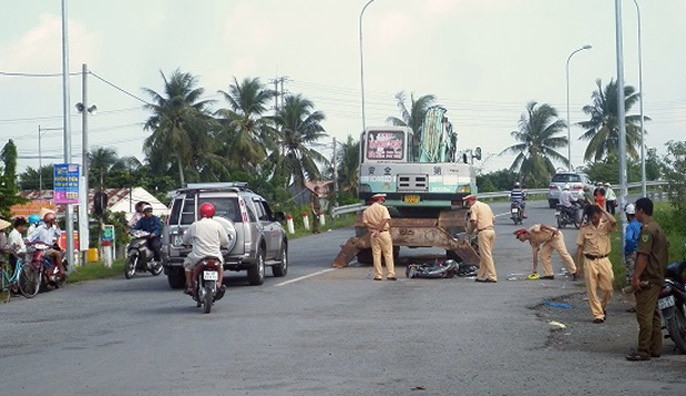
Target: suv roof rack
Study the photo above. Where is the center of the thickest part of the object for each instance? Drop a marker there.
(223, 186)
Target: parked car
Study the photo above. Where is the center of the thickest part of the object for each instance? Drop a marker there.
(576, 182)
(257, 238)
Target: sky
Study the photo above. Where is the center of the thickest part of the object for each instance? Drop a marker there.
(483, 60)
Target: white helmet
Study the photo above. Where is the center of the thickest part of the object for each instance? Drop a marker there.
(566, 187)
(630, 209)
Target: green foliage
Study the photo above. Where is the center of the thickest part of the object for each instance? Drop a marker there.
(538, 137)
(30, 178)
(413, 116)
(8, 178)
(501, 180)
(674, 173)
(348, 163)
(602, 130)
(607, 169)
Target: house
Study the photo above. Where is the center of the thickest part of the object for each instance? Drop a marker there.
(118, 200)
(302, 195)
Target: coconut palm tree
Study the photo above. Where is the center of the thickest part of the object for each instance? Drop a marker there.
(538, 141)
(299, 128)
(177, 115)
(602, 130)
(101, 160)
(247, 134)
(413, 116)
(348, 165)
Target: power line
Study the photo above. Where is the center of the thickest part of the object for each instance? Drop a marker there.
(23, 74)
(113, 85)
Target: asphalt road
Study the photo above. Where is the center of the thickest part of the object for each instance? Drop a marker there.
(334, 332)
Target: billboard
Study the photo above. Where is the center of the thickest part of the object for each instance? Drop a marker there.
(66, 184)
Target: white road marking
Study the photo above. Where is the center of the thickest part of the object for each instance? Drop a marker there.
(502, 214)
(305, 277)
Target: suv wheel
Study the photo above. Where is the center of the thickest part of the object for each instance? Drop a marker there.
(176, 278)
(256, 273)
(281, 268)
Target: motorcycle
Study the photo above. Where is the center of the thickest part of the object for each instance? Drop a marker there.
(569, 215)
(49, 272)
(672, 303)
(516, 212)
(139, 257)
(206, 275)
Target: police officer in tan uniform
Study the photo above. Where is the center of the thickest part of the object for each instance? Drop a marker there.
(481, 220)
(593, 244)
(647, 281)
(376, 219)
(546, 239)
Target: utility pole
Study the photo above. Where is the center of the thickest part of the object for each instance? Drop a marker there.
(335, 173)
(69, 225)
(621, 116)
(83, 207)
(278, 82)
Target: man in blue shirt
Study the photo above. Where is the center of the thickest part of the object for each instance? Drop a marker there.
(153, 225)
(633, 230)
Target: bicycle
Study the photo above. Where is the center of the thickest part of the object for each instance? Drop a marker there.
(26, 279)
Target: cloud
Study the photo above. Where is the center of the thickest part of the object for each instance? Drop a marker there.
(40, 48)
(391, 29)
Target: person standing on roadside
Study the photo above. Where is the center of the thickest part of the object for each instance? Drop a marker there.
(593, 243)
(610, 198)
(376, 220)
(599, 195)
(316, 207)
(546, 239)
(633, 230)
(646, 280)
(481, 220)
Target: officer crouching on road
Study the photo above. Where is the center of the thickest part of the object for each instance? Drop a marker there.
(593, 243)
(376, 220)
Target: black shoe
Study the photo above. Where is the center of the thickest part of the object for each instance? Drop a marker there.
(574, 276)
(490, 281)
(635, 356)
(479, 280)
(598, 320)
(654, 355)
(548, 277)
(391, 278)
(377, 279)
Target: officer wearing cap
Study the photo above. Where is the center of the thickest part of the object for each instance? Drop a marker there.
(377, 221)
(481, 220)
(593, 244)
(633, 229)
(546, 239)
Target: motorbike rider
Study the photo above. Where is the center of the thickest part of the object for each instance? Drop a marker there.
(207, 237)
(567, 199)
(138, 214)
(151, 224)
(518, 196)
(34, 222)
(49, 233)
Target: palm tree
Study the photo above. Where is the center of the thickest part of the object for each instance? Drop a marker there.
(176, 115)
(602, 130)
(348, 165)
(248, 135)
(538, 144)
(413, 116)
(299, 126)
(101, 160)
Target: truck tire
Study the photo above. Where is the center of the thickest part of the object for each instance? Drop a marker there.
(256, 272)
(176, 278)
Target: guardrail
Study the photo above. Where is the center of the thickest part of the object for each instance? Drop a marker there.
(337, 211)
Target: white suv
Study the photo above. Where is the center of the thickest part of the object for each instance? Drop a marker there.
(257, 238)
(576, 182)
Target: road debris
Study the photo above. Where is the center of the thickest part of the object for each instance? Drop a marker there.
(557, 324)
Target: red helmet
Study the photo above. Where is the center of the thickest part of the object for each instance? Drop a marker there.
(206, 210)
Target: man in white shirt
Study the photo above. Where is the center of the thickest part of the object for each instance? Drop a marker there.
(566, 197)
(49, 233)
(15, 242)
(207, 237)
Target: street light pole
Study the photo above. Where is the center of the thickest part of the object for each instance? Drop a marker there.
(569, 128)
(621, 115)
(69, 225)
(364, 122)
(644, 191)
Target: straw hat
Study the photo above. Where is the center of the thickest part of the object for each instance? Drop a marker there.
(4, 224)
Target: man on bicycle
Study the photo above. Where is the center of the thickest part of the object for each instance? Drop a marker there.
(207, 238)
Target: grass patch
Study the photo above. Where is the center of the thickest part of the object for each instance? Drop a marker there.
(96, 270)
(664, 216)
(345, 220)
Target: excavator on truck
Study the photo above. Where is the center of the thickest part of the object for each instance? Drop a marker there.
(425, 179)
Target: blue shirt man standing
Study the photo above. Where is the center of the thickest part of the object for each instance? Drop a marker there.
(633, 230)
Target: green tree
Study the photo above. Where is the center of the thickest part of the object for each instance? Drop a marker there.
(348, 163)
(179, 124)
(501, 180)
(413, 116)
(100, 160)
(674, 171)
(299, 127)
(29, 179)
(8, 178)
(602, 129)
(538, 139)
(248, 136)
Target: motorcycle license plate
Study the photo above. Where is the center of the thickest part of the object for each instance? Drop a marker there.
(210, 275)
(515, 210)
(411, 199)
(665, 303)
(557, 214)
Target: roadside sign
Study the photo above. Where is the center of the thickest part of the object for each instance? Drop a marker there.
(66, 183)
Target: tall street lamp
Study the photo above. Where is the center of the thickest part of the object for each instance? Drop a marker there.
(364, 123)
(569, 130)
(644, 192)
(621, 115)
